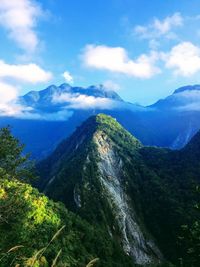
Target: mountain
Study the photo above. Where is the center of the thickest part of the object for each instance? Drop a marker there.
(125, 203)
(97, 188)
(183, 98)
(140, 195)
(37, 232)
(181, 115)
(55, 112)
(45, 100)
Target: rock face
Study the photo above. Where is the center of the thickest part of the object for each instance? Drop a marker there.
(112, 178)
(88, 174)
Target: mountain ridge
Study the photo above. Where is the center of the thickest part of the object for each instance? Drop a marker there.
(46, 95)
(96, 152)
(168, 123)
(117, 177)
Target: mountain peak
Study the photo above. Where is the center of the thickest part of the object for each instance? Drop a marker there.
(100, 151)
(113, 129)
(45, 98)
(183, 99)
(102, 118)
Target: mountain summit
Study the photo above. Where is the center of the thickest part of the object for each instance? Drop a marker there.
(61, 95)
(195, 87)
(183, 99)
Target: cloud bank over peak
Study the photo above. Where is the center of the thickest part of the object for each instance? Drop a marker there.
(82, 101)
(68, 77)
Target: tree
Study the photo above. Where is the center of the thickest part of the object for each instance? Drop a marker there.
(12, 161)
(190, 240)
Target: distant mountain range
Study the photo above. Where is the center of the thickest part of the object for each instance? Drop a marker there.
(56, 111)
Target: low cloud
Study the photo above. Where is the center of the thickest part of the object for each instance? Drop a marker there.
(68, 77)
(10, 107)
(115, 59)
(188, 100)
(17, 74)
(190, 107)
(81, 101)
(19, 18)
(61, 115)
(110, 85)
(8, 101)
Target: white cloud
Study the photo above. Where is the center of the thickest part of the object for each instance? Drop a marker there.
(81, 101)
(68, 77)
(10, 74)
(19, 18)
(115, 59)
(184, 59)
(61, 115)
(8, 97)
(159, 28)
(7, 92)
(110, 85)
(30, 73)
(190, 107)
(154, 44)
(10, 107)
(168, 23)
(189, 100)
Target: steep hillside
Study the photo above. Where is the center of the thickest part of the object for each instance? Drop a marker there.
(88, 173)
(141, 194)
(37, 232)
(30, 220)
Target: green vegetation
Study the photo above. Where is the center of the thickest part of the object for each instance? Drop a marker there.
(160, 183)
(30, 220)
(12, 163)
(38, 232)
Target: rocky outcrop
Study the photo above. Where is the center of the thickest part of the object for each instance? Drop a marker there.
(135, 242)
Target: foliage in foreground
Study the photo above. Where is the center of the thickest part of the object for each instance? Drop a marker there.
(31, 224)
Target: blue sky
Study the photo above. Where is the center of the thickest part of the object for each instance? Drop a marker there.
(143, 49)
